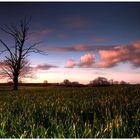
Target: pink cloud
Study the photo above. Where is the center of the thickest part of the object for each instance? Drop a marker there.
(70, 63)
(130, 53)
(135, 61)
(109, 58)
(78, 47)
(100, 39)
(87, 60)
(135, 53)
(136, 45)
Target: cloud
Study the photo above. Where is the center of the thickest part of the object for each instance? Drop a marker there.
(123, 53)
(60, 49)
(135, 53)
(45, 67)
(100, 39)
(38, 67)
(40, 34)
(70, 63)
(87, 60)
(99, 73)
(75, 22)
(80, 48)
(111, 57)
(136, 45)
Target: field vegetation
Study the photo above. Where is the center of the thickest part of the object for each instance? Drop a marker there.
(70, 112)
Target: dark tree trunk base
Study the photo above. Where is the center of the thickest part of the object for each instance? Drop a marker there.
(15, 80)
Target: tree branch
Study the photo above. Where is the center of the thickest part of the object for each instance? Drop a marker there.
(7, 48)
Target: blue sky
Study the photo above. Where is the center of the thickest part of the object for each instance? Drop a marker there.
(83, 39)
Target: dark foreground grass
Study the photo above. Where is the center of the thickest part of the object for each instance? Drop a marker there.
(82, 112)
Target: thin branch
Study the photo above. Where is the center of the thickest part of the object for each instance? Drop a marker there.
(3, 51)
(7, 48)
(27, 50)
(9, 31)
(6, 72)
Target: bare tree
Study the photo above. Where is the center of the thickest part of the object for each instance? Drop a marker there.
(15, 64)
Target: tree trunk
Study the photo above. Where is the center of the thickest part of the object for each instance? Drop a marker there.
(15, 80)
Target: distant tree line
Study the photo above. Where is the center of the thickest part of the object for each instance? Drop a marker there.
(102, 81)
(66, 82)
(99, 81)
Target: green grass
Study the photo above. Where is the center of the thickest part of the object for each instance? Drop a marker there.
(70, 112)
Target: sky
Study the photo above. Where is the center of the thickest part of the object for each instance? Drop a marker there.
(83, 40)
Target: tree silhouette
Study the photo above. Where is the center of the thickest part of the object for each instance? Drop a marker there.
(15, 64)
(100, 81)
(45, 82)
(66, 82)
(123, 83)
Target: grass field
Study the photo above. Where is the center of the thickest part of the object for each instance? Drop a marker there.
(70, 112)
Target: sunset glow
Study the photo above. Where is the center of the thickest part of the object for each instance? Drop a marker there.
(82, 40)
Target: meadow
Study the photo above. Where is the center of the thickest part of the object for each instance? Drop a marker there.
(70, 112)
